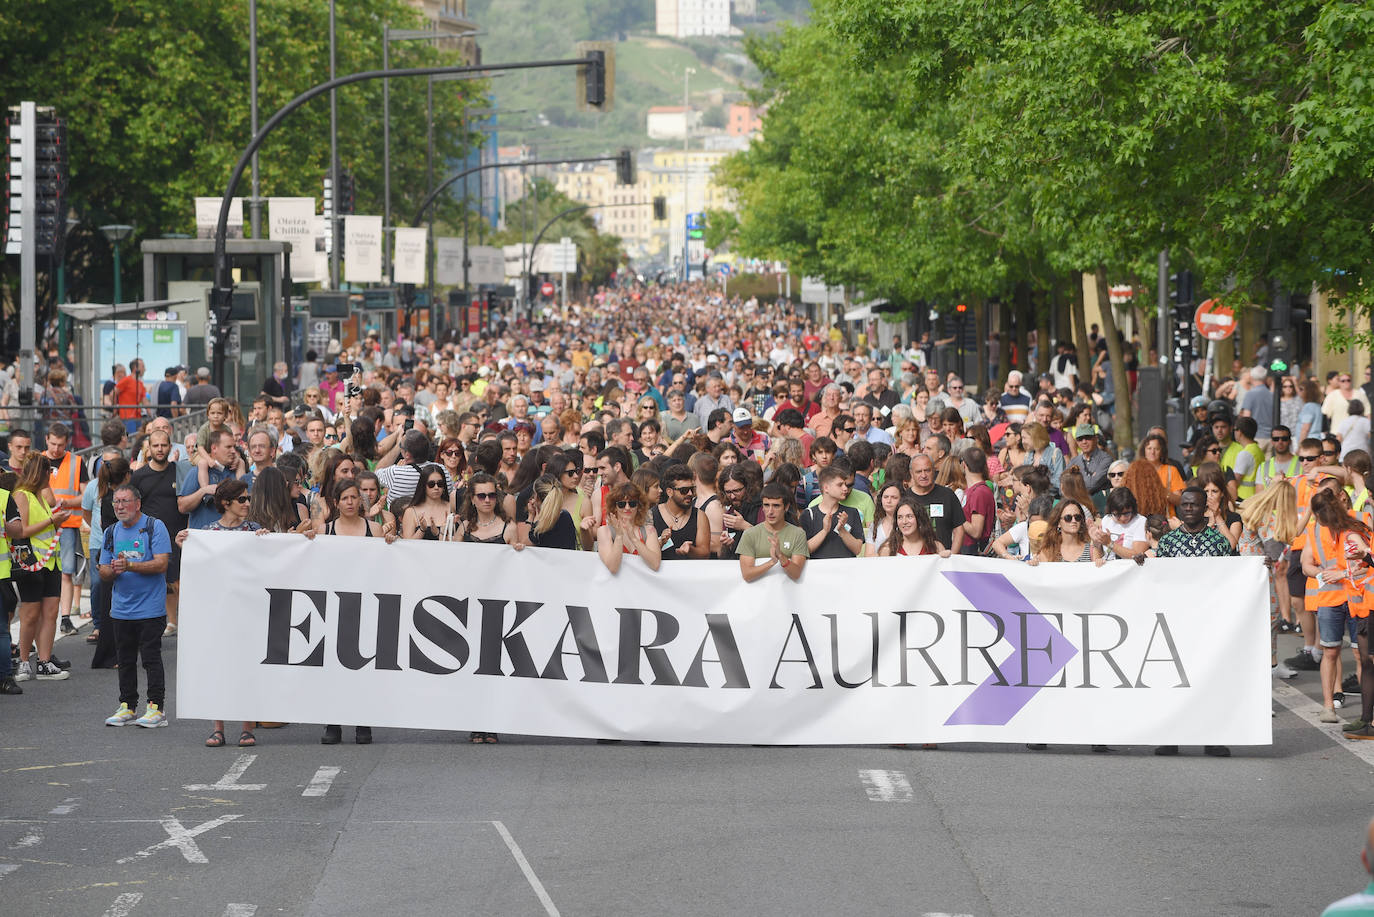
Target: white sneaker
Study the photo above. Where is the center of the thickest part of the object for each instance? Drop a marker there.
(23, 672)
(152, 718)
(122, 717)
(1283, 671)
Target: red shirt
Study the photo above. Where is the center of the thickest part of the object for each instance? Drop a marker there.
(130, 391)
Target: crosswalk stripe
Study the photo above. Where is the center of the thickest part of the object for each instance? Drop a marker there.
(886, 786)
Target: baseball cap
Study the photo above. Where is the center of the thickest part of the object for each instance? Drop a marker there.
(742, 417)
(1084, 430)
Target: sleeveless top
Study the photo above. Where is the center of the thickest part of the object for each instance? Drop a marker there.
(498, 538)
(329, 530)
(689, 529)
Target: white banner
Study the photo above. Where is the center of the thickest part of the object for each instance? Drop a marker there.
(362, 249)
(408, 266)
(543, 642)
(488, 265)
(293, 219)
(207, 217)
(448, 260)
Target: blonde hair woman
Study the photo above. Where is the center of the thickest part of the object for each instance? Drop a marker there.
(1269, 523)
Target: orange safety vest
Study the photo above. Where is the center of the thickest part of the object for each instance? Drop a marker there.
(66, 484)
(1326, 546)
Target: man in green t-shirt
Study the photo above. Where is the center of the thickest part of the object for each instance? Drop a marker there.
(1360, 903)
(774, 540)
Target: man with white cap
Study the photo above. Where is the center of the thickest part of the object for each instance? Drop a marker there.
(750, 442)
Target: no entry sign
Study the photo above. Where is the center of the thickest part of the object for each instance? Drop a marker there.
(546, 289)
(1215, 320)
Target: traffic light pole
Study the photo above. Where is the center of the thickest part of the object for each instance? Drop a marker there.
(224, 285)
(28, 254)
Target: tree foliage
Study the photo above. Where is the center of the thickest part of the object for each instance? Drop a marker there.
(928, 150)
(157, 103)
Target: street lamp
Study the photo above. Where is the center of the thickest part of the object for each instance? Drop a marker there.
(686, 171)
(117, 233)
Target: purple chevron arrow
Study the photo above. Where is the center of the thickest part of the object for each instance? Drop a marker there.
(993, 704)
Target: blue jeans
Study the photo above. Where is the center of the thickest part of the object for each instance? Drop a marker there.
(1334, 624)
(10, 602)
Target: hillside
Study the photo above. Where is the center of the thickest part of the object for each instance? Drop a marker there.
(649, 68)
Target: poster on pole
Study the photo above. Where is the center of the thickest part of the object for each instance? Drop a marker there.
(292, 219)
(448, 257)
(408, 265)
(207, 217)
(488, 265)
(362, 249)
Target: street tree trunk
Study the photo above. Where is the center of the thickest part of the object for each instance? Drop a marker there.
(1080, 328)
(1124, 430)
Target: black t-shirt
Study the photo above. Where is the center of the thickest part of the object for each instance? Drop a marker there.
(945, 512)
(833, 545)
(562, 535)
(159, 492)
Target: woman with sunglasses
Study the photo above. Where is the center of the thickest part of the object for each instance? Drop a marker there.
(427, 516)
(455, 461)
(566, 467)
(482, 519)
(626, 530)
(1066, 538)
(232, 501)
(1205, 449)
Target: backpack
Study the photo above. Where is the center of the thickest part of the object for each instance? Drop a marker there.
(107, 546)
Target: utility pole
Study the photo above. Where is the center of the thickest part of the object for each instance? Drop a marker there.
(686, 172)
(333, 227)
(1164, 340)
(254, 202)
(386, 155)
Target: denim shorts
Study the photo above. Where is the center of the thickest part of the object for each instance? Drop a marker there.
(1334, 624)
(68, 540)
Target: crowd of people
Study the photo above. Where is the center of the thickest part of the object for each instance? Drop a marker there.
(673, 424)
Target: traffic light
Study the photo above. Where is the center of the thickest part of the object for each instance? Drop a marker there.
(660, 209)
(347, 192)
(625, 167)
(50, 181)
(14, 171)
(595, 79)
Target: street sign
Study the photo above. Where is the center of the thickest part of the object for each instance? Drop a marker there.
(546, 289)
(696, 225)
(1215, 320)
(379, 298)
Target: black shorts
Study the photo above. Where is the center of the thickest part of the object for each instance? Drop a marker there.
(174, 563)
(34, 587)
(1297, 580)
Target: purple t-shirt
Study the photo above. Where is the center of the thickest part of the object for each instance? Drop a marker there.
(978, 500)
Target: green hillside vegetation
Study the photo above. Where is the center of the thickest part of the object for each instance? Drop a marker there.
(648, 70)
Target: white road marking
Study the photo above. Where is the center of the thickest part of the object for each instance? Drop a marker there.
(67, 806)
(230, 781)
(321, 782)
(240, 910)
(886, 786)
(1309, 711)
(182, 838)
(943, 914)
(124, 904)
(7, 868)
(32, 839)
(525, 867)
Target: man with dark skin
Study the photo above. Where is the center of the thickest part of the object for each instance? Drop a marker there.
(1193, 538)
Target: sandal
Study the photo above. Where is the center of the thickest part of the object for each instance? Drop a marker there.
(247, 739)
(476, 738)
(490, 738)
(93, 637)
(216, 739)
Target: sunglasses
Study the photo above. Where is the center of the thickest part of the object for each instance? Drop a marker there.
(438, 483)
(734, 492)
(243, 499)
(485, 495)
(626, 504)
(331, 437)
(1215, 450)
(573, 471)
(1282, 439)
(849, 429)
(1068, 518)
(453, 452)
(1308, 458)
(1116, 474)
(685, 490)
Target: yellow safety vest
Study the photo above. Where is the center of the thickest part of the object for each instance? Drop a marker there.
(4, 539)
(1246, 486)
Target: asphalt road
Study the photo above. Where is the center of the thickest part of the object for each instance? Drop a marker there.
(140, 822)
